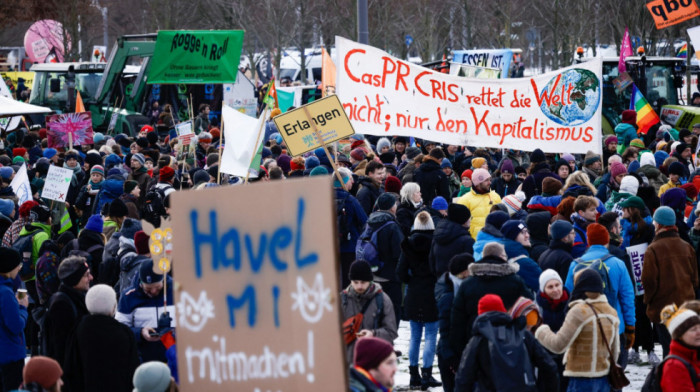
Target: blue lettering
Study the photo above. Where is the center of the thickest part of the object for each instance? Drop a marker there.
(231, 237)
(256, 260)
(311, 258)
(280, 240)
(236, 303)
(200, 239)
(276, 299)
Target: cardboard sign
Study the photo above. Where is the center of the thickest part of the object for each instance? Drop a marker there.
(297, 128)
(669, 12)
(196, 57)
(258, 307)
(636, 254)
(57, 183)
(184, 132)
(488, 58)
(64, 129)
(558, 111)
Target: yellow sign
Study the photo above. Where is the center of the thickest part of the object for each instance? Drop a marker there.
(327, 115)
(14, 77)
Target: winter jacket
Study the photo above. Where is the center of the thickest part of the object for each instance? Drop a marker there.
(132, 205)
(12, 233)
(670, 273)
(43, 234)
(625, 134)
(136, 310)
(5, 223)
(557, 257)
(356, 219)
(631, 235)
(544, 203)
(361, 381)
(532, 186)
(388, 242)
(444, 296)
(503, 188)
(675, 376)
(475, 372)
(621, 291)
(142, 178)
(529, 270)
(110, 262)
(112, 188)
(491, 275)
(480, 206)
(656, 178)
(405, 214)
(579, 338)
(129, 263)
(47, 281)
(93, 243)
(413, 270)
(85, 203)
(63, 314)
(581, 240)
(13, 318)
(109, 228)
(368, 194)
(102, 356)
(669, 185)
(352, 303)
(487, 235)
(449, 239)
(432, 180)
(553, 312)
(538, 224)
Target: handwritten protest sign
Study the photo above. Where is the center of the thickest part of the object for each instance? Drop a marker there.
(636, 254)
(669, 12)
(57, 183)
(184, 132)
(258, 308)
(330, 119)
(487, 58)
(64, 129)
(557, 111)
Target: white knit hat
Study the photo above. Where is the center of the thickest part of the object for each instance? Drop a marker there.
(423, 221)
(678, 321)
(546, 276)
(629, 184)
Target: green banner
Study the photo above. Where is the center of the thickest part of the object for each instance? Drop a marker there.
(196, 57)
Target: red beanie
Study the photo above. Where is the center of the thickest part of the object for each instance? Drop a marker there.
(42, 133)
(43, 371)
(166, 174)
(141, 243)
(491, 303)
(371, 352)
(357, 143)
(597, 234)
(467, 173)
(19, 152)
(215, 133)
(26, 208)
(392, 184)
(691, 191)
(629, 117)
(146, 128)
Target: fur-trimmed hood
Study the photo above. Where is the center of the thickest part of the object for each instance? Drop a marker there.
(493, 266)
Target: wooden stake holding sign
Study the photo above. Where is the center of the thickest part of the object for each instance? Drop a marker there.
(323, 143)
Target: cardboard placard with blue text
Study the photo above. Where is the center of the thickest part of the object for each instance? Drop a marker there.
(257, 308)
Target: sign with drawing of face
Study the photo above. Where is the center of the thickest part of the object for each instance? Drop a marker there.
(257, 306)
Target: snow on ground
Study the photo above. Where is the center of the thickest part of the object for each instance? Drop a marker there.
(635, 373)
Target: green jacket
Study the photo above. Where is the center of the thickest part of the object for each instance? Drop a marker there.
(615, 198)
(43, 235)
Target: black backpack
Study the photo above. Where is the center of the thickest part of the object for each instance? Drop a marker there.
(154, 205)
(653, 381)
(511, 368)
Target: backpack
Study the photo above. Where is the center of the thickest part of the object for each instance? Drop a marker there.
(24, 246)
(511, 368)
(653, 381)
(367, 250)
(154, 205)
(39, 315)
(353, 324)
(599, 266)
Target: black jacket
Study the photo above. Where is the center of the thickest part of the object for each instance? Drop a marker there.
(558, 257)
(62, 316)
(491, 275)
(405, 215)
(432, 180)
(503, 188)
(538, 224)
(444, 295)
(413, 269)
(389, 243)
(95, 243)
(368, 194)
(449, 239)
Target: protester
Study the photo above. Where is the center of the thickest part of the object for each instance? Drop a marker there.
(371, 185)
(42, 374)
(351, 221)
(684, 328)
(13, 318)
(516, 239)
(374, 366)
(153, 376)
(451, 237)
(558, 257)
(479, 200)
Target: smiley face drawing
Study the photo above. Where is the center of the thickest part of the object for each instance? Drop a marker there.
(312, 301)
(194, 314)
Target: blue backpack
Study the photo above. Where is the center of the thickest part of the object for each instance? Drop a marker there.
(600, 267)
(367, 250)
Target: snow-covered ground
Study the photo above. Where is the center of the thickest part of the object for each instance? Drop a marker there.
(635, 373)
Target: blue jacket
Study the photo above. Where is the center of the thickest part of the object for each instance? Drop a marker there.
(581, 239)
(625, 134)
(622, 297)
(529, 270)
(356, 219)
(487, 235)
(13, 318)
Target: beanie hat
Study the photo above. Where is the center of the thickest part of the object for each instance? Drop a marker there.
(215, 133)
(139, 158)
(638, 143)
(141, 243)
(17, 160)
(412, 152)
(567, 157)
(478, 162)
(479, 176)
(633, 167)
(590, 158)
(385, 201)
(665, 216)
(392, 184)
(42, 370)
(560, 229)
(467, 173)
(26, 208)
(205, 137)
(423, 221)
(166, 174)
(522, 307)
(589, 280)
(95, 223)
(629, 117)
(491, 303)
(297, 163)
(681, 147)
(678, 321)
(357, 154)
(50, 153)
(460, 263)
(357, 143)
(674, 198)
(40, 213)
(129, 186)
(371, 352)
(629, 184)
(360, 270)
(673, 146)
(98, 169)
(129, 228)
(151, 376)
(647, 158)
(683, 133)
(676, 168)
(19, 152)
(98, 136)
(9, 259)
(458, 213)
(6, 172)
(445, 163)
(547, 275)
(597, 234)
(439, 203)
(201, 177)
(312, 162)
(512, 204)
(660, 156)
(117, 209)
(610, 139)
(633, 202)
(71, 270)
(691, 192)
(142, 142)
(512, 228)
(6, 207)
(318, 171)
(284, 162)
(507, 167)
(537, 156)
(381, 143)
(146, 273)
(93, 158)
(616, 169)
(101, 299)
(551, 186)
(497, 219)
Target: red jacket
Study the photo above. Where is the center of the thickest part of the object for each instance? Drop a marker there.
(675, 375)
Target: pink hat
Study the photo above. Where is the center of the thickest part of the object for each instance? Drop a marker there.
(480, 175)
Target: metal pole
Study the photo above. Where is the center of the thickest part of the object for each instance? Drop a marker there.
(687, 68)
(362, 28)
(105, 37)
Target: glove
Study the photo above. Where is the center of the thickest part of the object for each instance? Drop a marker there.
(629, 336)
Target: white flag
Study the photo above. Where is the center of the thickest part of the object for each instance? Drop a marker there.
(241, 140)
(20, 185)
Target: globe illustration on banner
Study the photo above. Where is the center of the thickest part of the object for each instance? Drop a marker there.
(572, 97)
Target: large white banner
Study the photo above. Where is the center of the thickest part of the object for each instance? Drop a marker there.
(556, 112)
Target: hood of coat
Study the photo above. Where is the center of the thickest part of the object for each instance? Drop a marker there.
(493, 266)
(448, 231)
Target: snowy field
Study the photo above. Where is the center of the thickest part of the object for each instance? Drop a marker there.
(635, 373)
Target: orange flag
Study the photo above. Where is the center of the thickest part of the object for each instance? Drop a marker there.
(327, 74)
(79, 106)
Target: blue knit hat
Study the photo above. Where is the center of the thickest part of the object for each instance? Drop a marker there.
(146, 273)
(665, 216)
(312, 162)
(445, 163)
(674, 198)
(660, 157)
(497, 219)
(512, 228)
(50, 153)
(6, 172)
(439, 203)
(6, 207)
(139, 157)
(130, 227)
(112, 160)
(95, 223)
(560, 229)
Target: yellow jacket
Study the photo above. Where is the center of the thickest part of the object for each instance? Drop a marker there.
(667, 186)
(479, 206)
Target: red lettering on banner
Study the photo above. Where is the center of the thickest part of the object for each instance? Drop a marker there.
(552, 96)
(420, 90)
(345, 64)
(409, 121)
(487, 97)
(400, 76)
(365, 113)
(452, 126)
(385, 69)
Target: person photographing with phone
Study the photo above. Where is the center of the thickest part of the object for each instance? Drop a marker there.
(142, 309)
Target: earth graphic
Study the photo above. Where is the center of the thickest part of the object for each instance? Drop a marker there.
(585, 97)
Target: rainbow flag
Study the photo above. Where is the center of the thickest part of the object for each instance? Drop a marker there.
(683, 51)
(646, 116)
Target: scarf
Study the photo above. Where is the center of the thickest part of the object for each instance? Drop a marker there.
(140, 170)
(463, 190)
(95, 186)
(369, 377)
(456, 281)
(77, 169)
(417, 205)
(554, 303)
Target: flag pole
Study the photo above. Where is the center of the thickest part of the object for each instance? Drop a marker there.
(221, 144)
(255, 150)
(323, 143)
